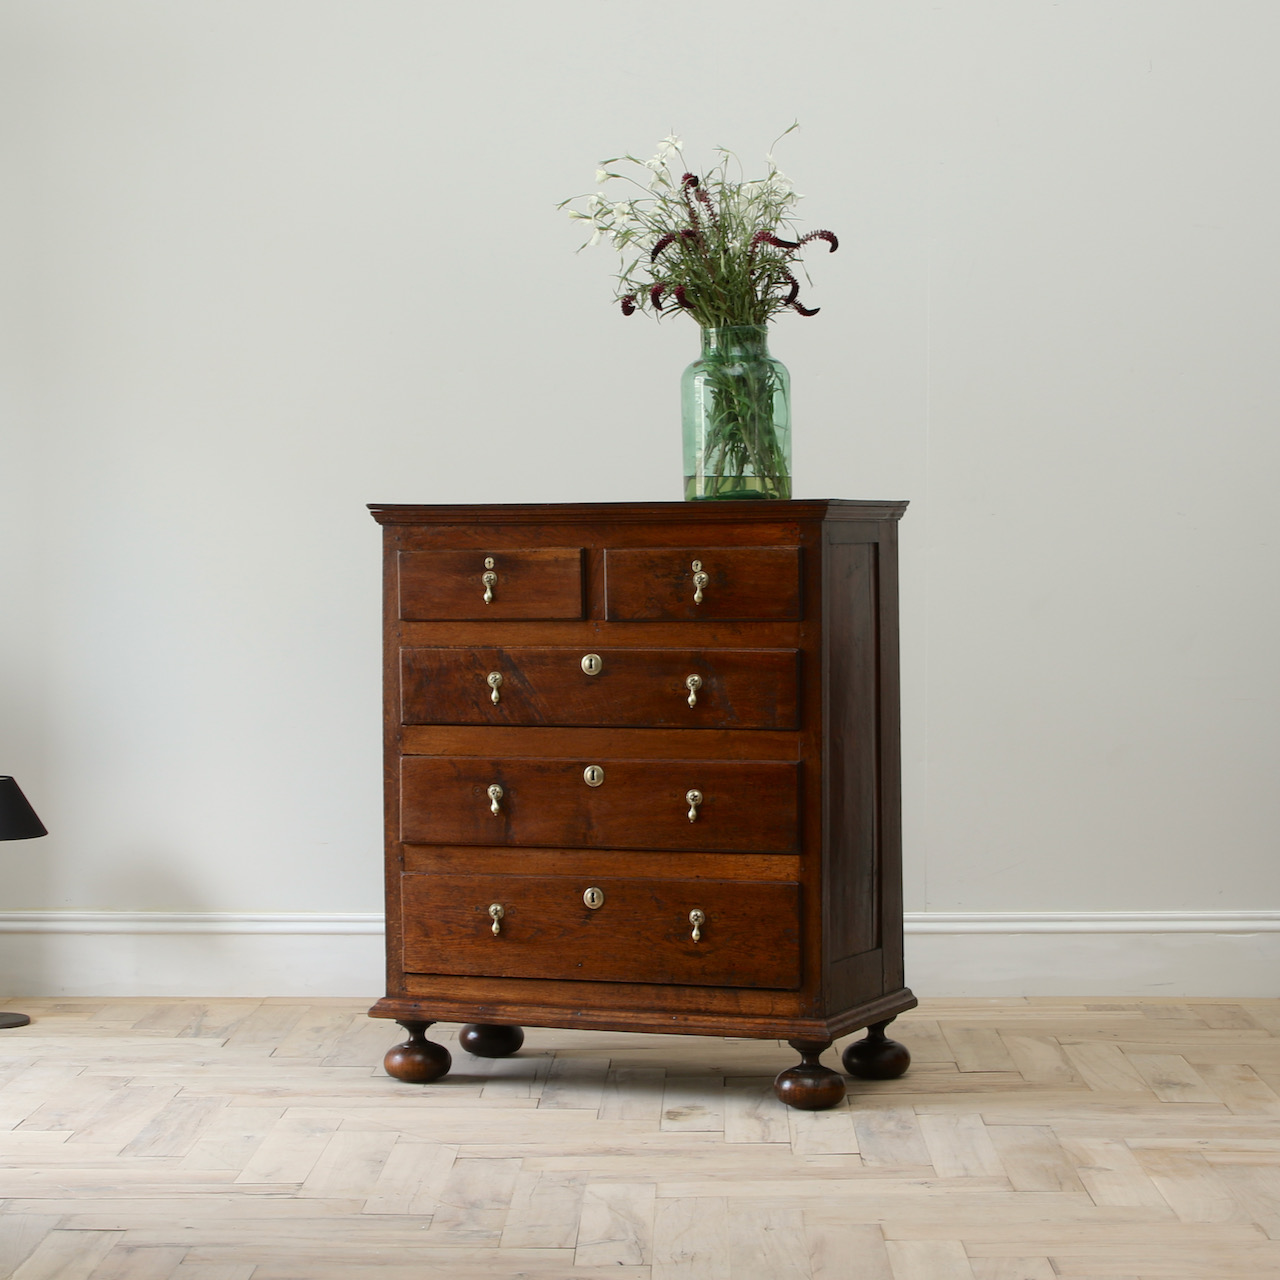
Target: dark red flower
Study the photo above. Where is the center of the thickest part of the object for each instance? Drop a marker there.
(661, 244)
(689, 180)
(805, 311)
(767, 237)
(828, 236)
(629, 304)
(705, 200)
(681, 299)
(655, 296)
(794, 291)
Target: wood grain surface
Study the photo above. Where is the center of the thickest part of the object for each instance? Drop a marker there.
(260, 1140)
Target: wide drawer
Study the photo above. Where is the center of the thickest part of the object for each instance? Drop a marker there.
(640, 932)
(641, 688)
(737, 806)
(536, 582)
(662, 584)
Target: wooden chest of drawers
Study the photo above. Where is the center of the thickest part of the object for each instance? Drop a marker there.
(642, 775)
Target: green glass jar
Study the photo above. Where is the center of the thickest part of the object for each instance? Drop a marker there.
(736, 405)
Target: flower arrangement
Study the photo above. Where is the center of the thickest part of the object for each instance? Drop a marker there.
(707, 245)
(721, 248)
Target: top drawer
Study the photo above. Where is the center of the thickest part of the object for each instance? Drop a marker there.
(538, 582)
(683, 584)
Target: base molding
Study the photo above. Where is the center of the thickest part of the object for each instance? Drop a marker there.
(152, 953)
(1070, 953)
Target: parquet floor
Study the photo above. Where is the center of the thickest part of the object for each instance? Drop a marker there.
(1032, 1139)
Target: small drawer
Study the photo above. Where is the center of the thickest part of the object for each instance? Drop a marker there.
(537, 582)
(683, 584)
(635, 688)
(712, 806)
(640, 931)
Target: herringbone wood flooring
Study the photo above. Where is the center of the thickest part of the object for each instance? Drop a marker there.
(229, 1139)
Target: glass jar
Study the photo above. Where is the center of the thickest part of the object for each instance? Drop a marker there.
(736, 408)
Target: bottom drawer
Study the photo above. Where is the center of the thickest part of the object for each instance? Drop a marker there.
(749, 935)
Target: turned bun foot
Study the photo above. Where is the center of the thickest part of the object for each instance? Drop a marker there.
(877, 1057)
(488, 1041)
(13, 1020)
(809, 1086)
(418, 1060)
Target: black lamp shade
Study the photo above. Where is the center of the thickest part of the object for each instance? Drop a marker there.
(18, 819)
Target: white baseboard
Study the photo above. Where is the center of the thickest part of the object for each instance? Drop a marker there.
(148, 953)
(1147, 953)
(188, 953)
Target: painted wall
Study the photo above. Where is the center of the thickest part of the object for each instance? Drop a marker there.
(265, 261)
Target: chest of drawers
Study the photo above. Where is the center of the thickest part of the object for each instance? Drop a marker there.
(642, 774)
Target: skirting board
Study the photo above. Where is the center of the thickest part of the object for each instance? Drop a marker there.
(117, 953)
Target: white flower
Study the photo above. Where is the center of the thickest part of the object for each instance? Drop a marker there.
(622, 209)
(669, 144)
(595, 238)
(602, 175)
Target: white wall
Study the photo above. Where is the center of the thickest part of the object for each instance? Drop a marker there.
(263, 262)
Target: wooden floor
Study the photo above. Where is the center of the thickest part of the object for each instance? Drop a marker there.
(223, 1140)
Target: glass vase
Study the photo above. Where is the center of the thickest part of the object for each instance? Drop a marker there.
(736, 406)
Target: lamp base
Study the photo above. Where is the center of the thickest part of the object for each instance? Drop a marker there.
(13, 1020)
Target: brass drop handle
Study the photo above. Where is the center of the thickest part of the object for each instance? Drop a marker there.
(489, 578)
(495, 794)
(700, 580)
(694, 799)
(696, 918)
(495, 683)
(693, 684)
(495, 914)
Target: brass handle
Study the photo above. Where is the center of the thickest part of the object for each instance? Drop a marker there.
(495, 683)
(495, 914)
(490, 580)
(495, 794)
(700, 580)
(696, 918)
(694, 799)
(693, 684)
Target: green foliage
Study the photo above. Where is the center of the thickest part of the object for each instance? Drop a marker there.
(715, 245)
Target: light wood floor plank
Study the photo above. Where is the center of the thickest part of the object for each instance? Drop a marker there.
(767, 1239)
(616, 1225)
(929, 1260)
(838, 1251)
(140, 1262)
(691, 1239)
(67, 1255)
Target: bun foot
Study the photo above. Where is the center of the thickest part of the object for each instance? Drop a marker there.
(487, 1041)
(877, 1057)
(809, 1086)
(13, 1020)
(418, 1060)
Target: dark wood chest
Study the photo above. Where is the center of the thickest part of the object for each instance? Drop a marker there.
(642, 774)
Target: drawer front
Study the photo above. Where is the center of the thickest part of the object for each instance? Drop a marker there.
(539, 582)
(729, 583)
(741, 807)
(639, 688)
(640, 932)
